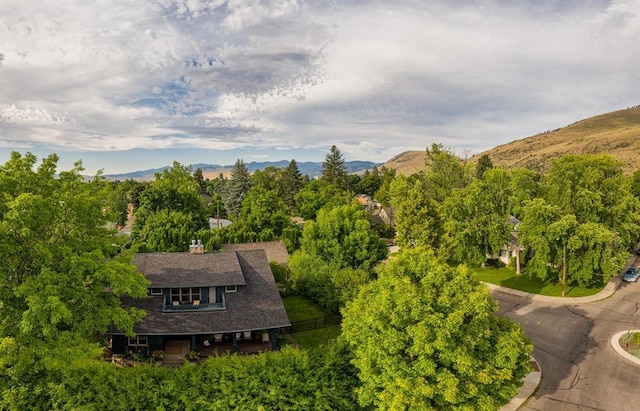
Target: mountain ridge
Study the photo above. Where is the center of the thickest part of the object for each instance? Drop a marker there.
(616, 133)
(310, 168)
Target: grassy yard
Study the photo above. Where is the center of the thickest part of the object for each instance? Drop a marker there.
(507, 277)
(300, 308)
(314, 338)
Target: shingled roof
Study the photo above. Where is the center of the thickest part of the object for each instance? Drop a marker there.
(276, 250)
(190, 270)
(257, 306)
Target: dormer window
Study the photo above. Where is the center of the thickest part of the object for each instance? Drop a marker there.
(231, 288)
(185, 295)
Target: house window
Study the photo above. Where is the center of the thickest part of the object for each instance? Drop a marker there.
(138, 341)
(185, 295)
(155, 291)
(231, 288)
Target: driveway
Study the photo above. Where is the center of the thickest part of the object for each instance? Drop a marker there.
(580, 369)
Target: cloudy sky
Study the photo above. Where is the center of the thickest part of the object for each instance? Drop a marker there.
(127, 85)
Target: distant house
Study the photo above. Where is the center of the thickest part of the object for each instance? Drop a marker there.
(383, 216)
(200, 299)
(387, 216)
(365, 201)
(512, 248)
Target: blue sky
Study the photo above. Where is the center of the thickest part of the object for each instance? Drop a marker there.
(126, 85)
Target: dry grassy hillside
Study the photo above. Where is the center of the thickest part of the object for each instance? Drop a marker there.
(616, 134)
(407, 163)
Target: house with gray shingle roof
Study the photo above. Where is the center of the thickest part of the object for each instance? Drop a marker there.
(204, 297)
(275, 250)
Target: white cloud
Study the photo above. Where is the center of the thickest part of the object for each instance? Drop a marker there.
(374, 78)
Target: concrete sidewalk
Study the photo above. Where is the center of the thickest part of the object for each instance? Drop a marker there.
(606, 292)
(529, 385)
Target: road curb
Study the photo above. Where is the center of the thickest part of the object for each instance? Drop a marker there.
(529, 385)
(615, 344)
(605, 293)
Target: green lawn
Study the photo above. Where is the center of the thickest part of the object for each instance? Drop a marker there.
(507, 277)
(315, 338)
(300, 308)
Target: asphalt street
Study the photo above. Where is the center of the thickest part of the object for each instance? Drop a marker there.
(580, 369)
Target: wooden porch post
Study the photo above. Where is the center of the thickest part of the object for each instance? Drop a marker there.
(234, 343)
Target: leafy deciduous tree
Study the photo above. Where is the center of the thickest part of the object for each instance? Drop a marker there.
(343, 236)
(61, 276)
(424, 336)
(173, 199)
(318, 194)
(419, 222)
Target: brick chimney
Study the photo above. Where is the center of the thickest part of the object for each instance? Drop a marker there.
(196, 248)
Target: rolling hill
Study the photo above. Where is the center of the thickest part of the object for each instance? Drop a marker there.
(616, 133)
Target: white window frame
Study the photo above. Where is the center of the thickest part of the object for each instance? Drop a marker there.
(138, 341)
(230, 288)
(155, 291)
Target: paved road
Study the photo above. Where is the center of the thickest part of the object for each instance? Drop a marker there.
(580, 370)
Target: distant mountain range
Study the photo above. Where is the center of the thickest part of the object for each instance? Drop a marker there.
(310, 168)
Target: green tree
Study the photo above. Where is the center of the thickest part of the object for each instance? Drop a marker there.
(289, 185)
(419, 222)
(444, 172)
(383, 194)
(635, 184)
(174, 192)
(582, 195)
(329, 286)
(484, 164)
(263, 217)
(334, 170)
(216, 189)
(560, 247)
(343, 236)
(200, 180)
(267, 178)
(424, 336)
(318, 194)
(524, 187)
(477, 218)
(594, 189)
(370, 182)
(61, 278)
(236, 188)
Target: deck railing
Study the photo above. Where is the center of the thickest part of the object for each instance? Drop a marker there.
(195, 307)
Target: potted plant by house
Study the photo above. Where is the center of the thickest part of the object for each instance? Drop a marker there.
(192, 356)
(157, 356)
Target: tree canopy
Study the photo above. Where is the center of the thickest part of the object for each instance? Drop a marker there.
(343, 236)
(236, 188)
(334, 170)
(424, 336)
(62, 271)
(584, 223)
(171, 211)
